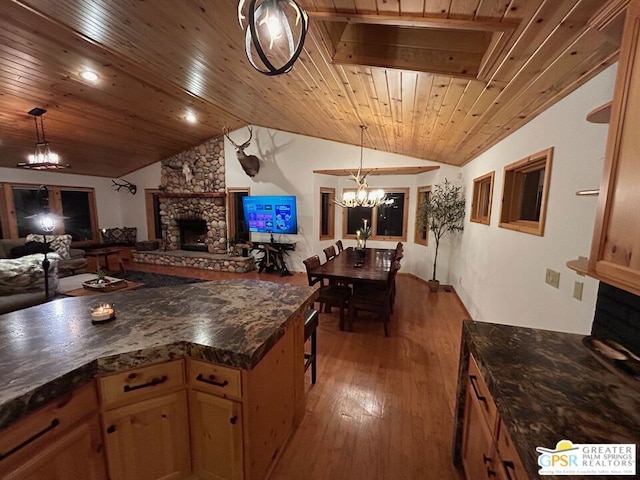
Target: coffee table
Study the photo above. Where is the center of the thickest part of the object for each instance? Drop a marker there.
(72, 286)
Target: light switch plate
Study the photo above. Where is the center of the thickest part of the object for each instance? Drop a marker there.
(577, 290)
(552, 278)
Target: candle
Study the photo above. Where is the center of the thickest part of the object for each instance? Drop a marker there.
(365, 223)
(103, 312)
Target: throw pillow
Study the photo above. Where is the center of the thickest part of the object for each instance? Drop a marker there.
(58, 243)
(26, 274)
(125, 235)
(29, 248)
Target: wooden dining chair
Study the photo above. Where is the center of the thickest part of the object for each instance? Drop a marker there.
(328, 295)
(340, 246)
(375, 300)
(330, 252)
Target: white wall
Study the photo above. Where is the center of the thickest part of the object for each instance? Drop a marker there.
(288, 161)
(499, 273)
(108, 201)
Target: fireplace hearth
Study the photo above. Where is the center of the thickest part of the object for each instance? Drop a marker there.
(193, 233)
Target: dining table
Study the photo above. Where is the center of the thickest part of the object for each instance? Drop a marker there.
(367, 265)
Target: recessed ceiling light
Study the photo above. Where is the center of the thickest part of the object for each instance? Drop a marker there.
(190, 117)
(89, 76)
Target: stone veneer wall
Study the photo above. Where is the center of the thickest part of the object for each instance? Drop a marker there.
(219, 263)
(197, 172)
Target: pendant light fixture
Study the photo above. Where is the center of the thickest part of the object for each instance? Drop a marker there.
(275, 33)
(362, 197)
(43, 158)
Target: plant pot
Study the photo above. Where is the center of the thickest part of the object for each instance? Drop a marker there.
(434, 285)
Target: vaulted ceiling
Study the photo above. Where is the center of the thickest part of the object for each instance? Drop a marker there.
(439, 80)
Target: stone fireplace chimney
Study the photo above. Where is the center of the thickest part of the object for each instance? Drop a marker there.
(193, 182)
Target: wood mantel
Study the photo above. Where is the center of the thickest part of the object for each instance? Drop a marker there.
(192, 195)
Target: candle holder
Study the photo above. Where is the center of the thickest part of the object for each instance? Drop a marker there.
(103, 312)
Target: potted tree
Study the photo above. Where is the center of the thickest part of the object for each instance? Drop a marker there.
(441, 213)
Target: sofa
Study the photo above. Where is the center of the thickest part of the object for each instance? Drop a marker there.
(22, 274)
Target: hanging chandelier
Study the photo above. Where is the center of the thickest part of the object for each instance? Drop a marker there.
(363, 196)
(275, 32)
(43, 158)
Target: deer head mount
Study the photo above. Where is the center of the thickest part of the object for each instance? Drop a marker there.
(250, 163)
(128, 186)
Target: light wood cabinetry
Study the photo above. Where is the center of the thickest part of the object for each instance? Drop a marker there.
(145, 423)
(615, 250)
(487, 450)
(60, 441)
(215, 421)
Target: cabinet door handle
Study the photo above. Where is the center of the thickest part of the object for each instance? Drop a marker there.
(490, 473)
(211, 380)
(486, 459)
(152, 383)
(233, 420)
(508, 466)
(111, 428)
(54, 423)
(473, 379)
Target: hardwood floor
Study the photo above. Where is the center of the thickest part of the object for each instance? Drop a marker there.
(382, 408)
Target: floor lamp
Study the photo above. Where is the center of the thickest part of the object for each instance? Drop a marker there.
(47, 225)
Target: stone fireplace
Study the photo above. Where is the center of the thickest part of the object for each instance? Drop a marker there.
(194, 199)
(193, 212)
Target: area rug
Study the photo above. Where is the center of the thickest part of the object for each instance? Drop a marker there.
(153, 280)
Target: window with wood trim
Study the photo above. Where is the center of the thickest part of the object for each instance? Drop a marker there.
(525, 192)
(421, 233)
(75, 206)
(237, 229)
(388, 221)
(327, 213)
(152, 206)
(482, 197)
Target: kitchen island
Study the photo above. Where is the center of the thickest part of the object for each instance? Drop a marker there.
(546, 387)
(51, 350)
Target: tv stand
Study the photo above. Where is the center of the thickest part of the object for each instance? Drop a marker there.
(272, 256)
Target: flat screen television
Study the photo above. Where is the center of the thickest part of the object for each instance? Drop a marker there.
(270, 214)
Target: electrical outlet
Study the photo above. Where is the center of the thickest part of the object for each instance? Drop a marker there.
(577, 290)
(552, 278)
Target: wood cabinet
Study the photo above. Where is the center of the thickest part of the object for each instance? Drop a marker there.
(487, 450)
(146, 424)
(216, 437)
(215, 420)
(615, 250)
(60, 441)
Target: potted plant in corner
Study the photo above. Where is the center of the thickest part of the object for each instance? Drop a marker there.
(441, 213)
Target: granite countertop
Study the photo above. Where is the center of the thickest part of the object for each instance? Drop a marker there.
(548, 387)
(50, 349)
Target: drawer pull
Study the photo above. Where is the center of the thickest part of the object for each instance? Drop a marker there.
(111, 429)
(490, 473)
(211, 380)
(486, 459)
(154, 381)
(508, 466)
(473, 379)
(54, 423)
(233, 420)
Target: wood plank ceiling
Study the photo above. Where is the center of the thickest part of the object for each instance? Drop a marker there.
(159, 59)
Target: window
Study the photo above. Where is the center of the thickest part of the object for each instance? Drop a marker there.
(75, 205)
(388, 221)
(238, 229)
(525, 192)
(421, 234)
(152, 203)
(481, 201)
(327, 213)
